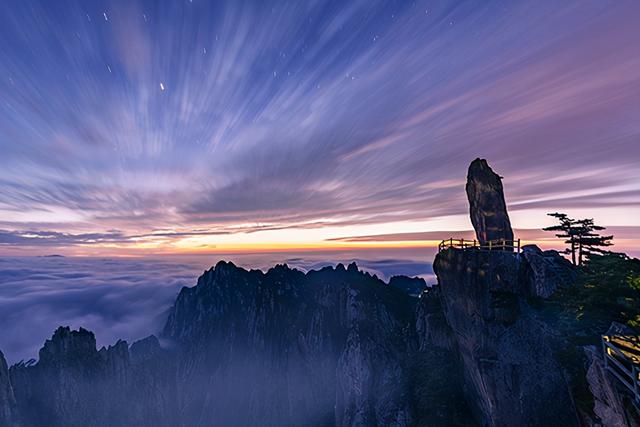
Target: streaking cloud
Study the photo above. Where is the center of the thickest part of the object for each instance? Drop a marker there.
(185, 125)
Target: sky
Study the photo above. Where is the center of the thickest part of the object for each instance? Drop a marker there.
(182, 127)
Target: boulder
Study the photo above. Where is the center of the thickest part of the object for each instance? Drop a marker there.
(413, 286)
(486, 203)
(610, 405)
(549, 271)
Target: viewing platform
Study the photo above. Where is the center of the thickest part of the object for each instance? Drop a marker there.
(492, 245)
(622, 360)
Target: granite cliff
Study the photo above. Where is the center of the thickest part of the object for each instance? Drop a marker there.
(508, 367)
(7, 399)
(288, 348)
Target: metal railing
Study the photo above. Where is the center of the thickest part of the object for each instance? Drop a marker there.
(622, 359)
(492, 245)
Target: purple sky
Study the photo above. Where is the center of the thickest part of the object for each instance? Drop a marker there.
(147, 127)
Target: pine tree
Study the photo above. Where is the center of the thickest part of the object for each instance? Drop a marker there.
(567, 231)
(590, 242)
(580, 235)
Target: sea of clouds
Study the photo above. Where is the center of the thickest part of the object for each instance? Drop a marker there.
(123, 298)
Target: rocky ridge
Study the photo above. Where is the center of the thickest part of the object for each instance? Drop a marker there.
(242, 348)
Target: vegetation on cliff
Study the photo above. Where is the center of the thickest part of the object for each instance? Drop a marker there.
(582, 237)
(607, 289)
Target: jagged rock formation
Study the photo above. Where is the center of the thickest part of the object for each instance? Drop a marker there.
(288, 348)
(328, 347)
(411, 285)
(612, 405)
(549, 271)
(74, 384)
(487, 207)
(509, 368)
(609, 404)
(437, 371)
(7, 399)
(431, 324)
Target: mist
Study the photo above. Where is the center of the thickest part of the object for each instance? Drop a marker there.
(127, 298)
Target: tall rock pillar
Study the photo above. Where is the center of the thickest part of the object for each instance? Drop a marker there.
(487, 207)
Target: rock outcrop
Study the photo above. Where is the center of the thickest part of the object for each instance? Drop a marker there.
(610, 405)
(613, 404)
(509, 369)
(549, 271)
(487, 206)
(411, 285)
(74, 384)
(288, 348)
(432, 328)
(7, 399)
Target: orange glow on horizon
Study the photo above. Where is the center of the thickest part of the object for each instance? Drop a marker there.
(170, 248)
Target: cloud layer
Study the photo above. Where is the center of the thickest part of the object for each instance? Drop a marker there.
(124, 298)
(114, 298)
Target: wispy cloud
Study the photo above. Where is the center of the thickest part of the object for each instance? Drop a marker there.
(281, 116)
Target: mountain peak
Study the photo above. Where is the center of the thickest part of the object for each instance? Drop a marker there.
(68, 344)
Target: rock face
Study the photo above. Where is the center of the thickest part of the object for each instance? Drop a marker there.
(287, 348)
(74, 384)
(610, 405)
(411, 285)
(509, 369)
(613, 405)
(486, 203)
(7, 399)
(432, 328)
(549, 271)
